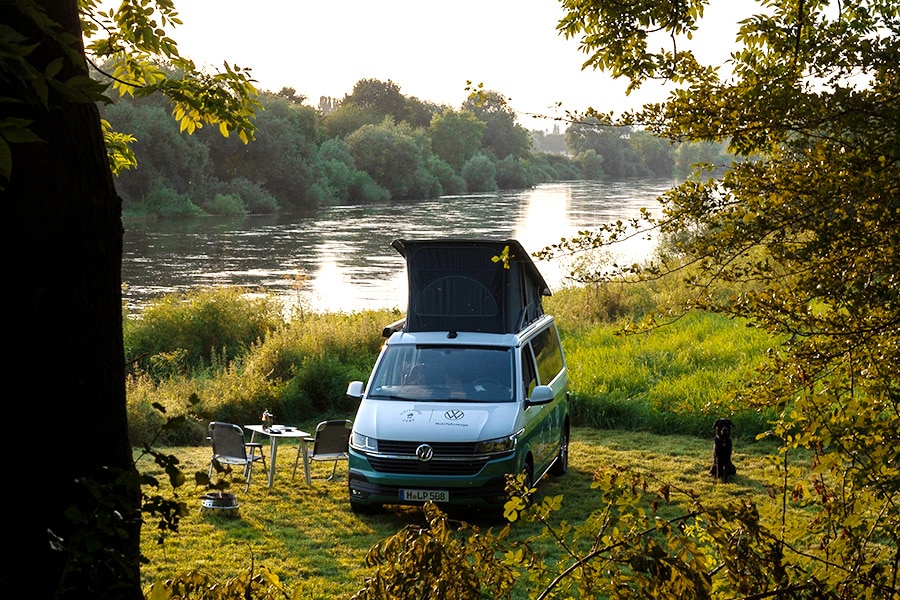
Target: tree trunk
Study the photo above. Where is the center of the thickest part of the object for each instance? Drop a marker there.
(66, 422)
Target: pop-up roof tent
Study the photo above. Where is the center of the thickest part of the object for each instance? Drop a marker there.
(471, 285)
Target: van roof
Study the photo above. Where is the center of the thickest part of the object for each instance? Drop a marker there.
(465, 338)
(470, 338)
(474, 285)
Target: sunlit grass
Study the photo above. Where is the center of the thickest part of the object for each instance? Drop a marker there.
(676, 379)
(309, 537)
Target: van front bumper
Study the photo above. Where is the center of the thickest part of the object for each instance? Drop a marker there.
(487, 487)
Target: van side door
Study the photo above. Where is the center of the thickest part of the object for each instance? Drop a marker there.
(551, 371)
(535, 435)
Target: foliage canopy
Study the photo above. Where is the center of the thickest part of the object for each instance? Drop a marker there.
(132, 44)
(804, 225)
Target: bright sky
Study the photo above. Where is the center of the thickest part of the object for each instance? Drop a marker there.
(430, 50)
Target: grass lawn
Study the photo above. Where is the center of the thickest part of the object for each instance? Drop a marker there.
(309, 537)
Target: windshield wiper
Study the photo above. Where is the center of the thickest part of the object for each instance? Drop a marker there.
(392, 397)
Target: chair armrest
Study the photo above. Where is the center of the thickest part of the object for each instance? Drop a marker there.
(252, 445)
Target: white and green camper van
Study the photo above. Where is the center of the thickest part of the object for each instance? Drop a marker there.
(471, 386)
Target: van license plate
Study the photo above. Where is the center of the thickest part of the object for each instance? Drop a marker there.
(425, 495)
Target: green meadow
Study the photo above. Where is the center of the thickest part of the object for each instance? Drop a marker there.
(641, 401)
(308, 537)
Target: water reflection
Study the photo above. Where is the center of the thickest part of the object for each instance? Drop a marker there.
(344, 252)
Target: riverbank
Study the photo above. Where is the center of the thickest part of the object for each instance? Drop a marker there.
(218, 355)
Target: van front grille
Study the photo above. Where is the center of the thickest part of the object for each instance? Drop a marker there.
(441, 449)
(434, 466)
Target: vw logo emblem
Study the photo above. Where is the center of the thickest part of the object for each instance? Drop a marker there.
(424, 452)
(454, 415)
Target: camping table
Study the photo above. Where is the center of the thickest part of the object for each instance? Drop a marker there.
(275, 433)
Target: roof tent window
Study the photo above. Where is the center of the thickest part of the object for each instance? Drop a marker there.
(456, 296)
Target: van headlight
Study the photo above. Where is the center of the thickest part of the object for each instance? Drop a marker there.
(363, 443)
(497, 445)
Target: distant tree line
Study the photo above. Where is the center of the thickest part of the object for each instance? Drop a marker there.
(375, 144)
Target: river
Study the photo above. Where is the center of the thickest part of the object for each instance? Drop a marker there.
(342, 257)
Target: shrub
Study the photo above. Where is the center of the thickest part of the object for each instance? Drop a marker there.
(480, 174)
(590, 305)
(314, 357)
(199, 327)
(163, 201)
(552, 167)
(225, 204)
(345, 181)
(424, 184)
(318, 388)
(366, 189)
(451, 183)
(236, 395)
(590, 163)
(145, 397)
(672, 380)
(253, 196)
(511, 175)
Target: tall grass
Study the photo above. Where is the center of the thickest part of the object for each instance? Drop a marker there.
(676, 379)
(296, 368)
(188, 330)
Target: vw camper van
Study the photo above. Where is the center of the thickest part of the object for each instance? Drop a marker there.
(470, 387)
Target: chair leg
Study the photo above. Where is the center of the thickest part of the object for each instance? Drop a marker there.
(333, 471)
(248, 467)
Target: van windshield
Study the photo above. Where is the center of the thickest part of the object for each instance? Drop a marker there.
(445, 373)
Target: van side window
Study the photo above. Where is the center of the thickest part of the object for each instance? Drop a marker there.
(548, 355)
(529, 377)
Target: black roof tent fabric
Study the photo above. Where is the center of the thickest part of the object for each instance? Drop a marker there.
(471, 285)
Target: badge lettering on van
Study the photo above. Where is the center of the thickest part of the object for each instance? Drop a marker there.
(453, 418)
(410, 416)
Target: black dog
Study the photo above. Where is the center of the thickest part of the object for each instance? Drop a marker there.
(722, 467)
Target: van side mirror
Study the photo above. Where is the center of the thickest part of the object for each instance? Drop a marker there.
(355, 389)
(542, 394)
